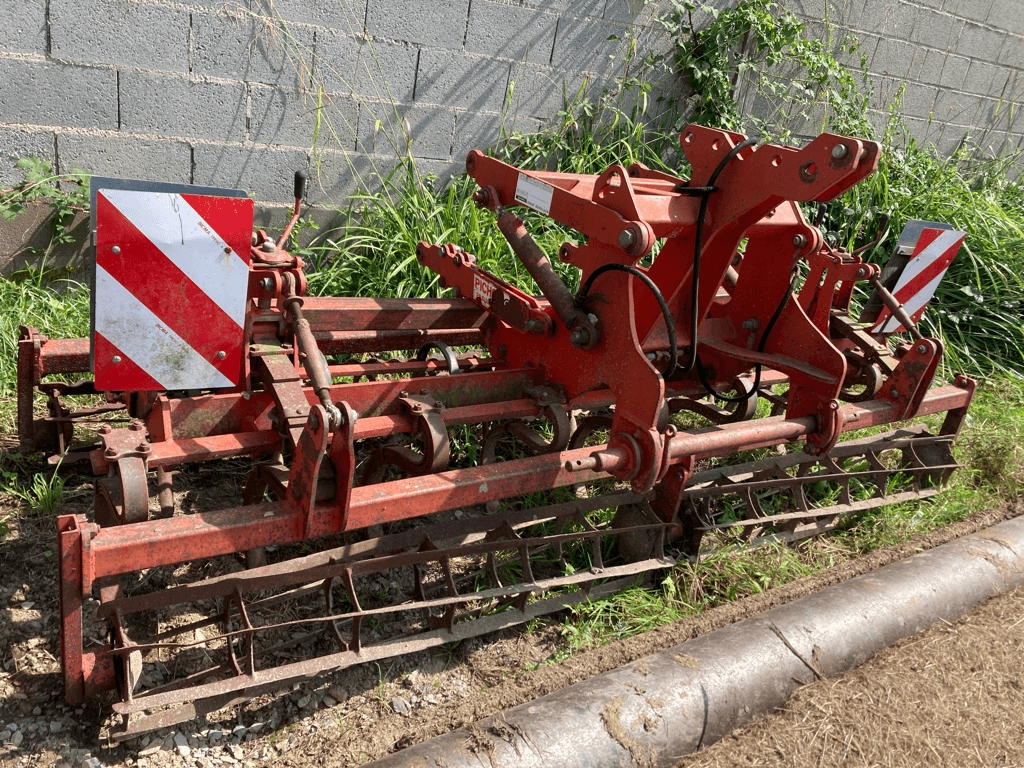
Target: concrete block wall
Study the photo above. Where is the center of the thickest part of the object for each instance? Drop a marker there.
(961, 63)
(233, 94)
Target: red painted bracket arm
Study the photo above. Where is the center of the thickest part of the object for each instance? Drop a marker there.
(503, 300)
(565, 198)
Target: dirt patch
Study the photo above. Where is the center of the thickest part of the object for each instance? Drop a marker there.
(952, 695)
(344, 719)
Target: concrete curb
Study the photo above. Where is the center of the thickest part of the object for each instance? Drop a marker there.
(655, 710)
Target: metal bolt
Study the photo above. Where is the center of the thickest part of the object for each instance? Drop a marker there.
(267, 283)
(115, 359)
(424, 392)
(105, 429)
(116, 249)
(314, 420)
(110, 453)
(921, 349)
(579, 336)
(799, 240)
(894, 392)
(627, 237)
(135, 426)
(269, 247)
(403, 393)
(532, 326)
(227, 249)
(839, 151)
(221, 355)
(142, 448)
(861, 272)
(751, 324)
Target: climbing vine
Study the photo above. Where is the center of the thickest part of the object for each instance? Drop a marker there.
(756, 64)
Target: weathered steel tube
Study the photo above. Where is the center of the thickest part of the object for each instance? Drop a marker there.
(547, 280)
(657, 709)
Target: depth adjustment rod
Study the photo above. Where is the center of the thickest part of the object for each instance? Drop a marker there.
(313, 360)
(582, 332)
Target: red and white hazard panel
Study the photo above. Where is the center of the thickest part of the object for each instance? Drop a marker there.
(172, 275)
(931, 256)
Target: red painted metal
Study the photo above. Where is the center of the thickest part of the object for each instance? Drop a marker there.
(607, 347)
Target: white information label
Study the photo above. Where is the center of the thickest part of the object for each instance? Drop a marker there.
(534, 194)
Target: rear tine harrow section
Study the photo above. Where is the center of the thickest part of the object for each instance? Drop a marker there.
(374, 424)
(244, 630)
(856, 476)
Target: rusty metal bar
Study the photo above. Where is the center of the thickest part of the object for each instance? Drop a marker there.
(164, 542)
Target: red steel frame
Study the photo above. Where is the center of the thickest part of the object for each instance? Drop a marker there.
(546, 356)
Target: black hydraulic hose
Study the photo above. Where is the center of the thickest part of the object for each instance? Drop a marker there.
(760, 348)
(581, 298)
(698, 244)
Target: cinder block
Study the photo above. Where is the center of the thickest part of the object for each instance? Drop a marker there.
(457, 80)
(928, 64)
(344, 15)
(918, 100)
(386, 71)
(334, 65)
(542, 91)
(1005, 14)
(24, 26)
(125, 156)
(977, 10)
(980, 42)
(44, 93)
(221, 42)
(122, 32)
(939, 30)
(630, 11)
(1012, 52)
(986, 79)
(437, 174)
(951, 138)
(584, 45)
(480, 130)
(267, 174)
(285, 117)
(375, 69)
(281, 54)
(954, 72)
(398, 129)
(177, 105)
(512, 32)
(437, 23)
(882, 17)
(957, 108)
(334, 176)
(993, 115)
(894, 57)
(16, 144)
(916, 127)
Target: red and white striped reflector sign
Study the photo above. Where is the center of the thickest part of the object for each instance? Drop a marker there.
(932, 254)
(172, 276)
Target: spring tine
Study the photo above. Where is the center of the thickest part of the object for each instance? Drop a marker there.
(346, 579)
(249, 632)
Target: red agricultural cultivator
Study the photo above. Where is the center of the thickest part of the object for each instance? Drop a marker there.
(710, 318)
